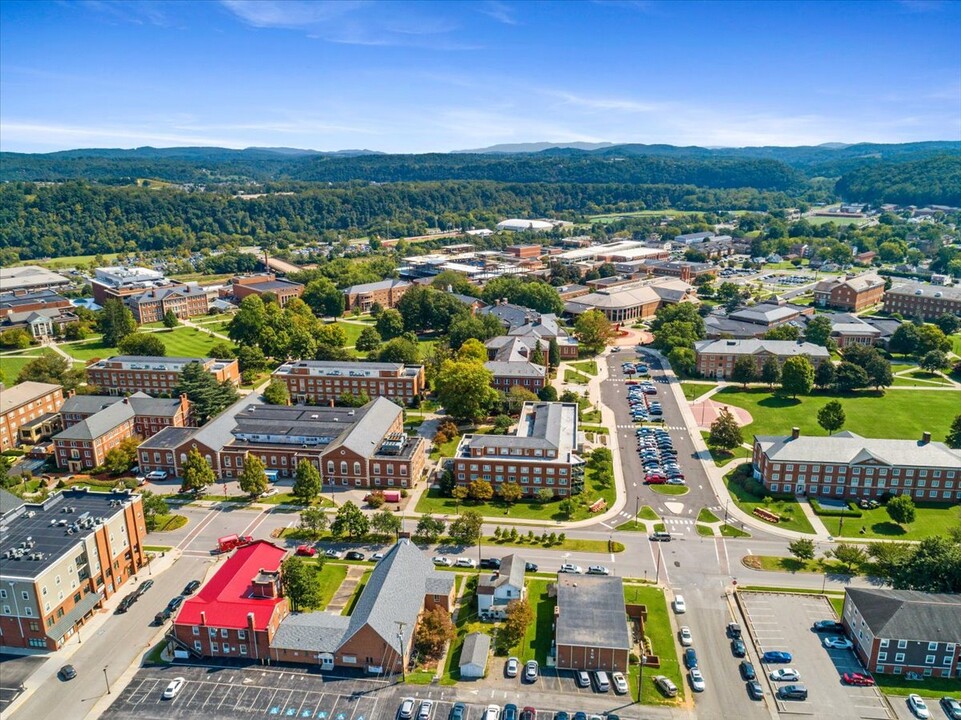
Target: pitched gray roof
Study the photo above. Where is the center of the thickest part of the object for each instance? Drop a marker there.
(521, 368)
(8, 502)
(21, 393)
(511, 572)
(365, 437)
(99, 423)
(511, 315)
(374, 286)
(950, 292)
(219, 431)
(394, 592)
(909, 614)
(439, 583)
(755, 346)
(849, 448)
(315, 632)
(144, 404)
(88, 404)
(476, 648)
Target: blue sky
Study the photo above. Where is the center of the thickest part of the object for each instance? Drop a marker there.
(433, 76)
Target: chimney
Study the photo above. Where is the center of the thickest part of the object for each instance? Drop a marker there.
(925, 438)
(250, 621)
(126, 401)
(203, 617)
(795, 433)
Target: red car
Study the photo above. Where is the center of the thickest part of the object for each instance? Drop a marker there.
(858, 679)
(307, 550)
(631, 382)
(655, 479)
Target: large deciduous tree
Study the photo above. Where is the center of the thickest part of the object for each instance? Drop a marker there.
(307, 483)
(253, 478)
(797, 376)
(138, 343)
(299, 579)
(831, 417)
(464, 389)
(350, 521)
(593, 330)
(197, 473)
(725, 432)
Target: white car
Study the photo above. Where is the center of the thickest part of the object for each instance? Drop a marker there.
(785, 674)
(406, 711)
(530, 671)
(686, 638)
(492, 712)
(697, 680)
(441, 561)
(332, 554)
(620, 683)
(680, 607)
(465, 562)
(838, 642)
(173, 688)
(511, 668)
(918, 707)
(377, 556)
(157, 475)
(568, 568)
(426, 708)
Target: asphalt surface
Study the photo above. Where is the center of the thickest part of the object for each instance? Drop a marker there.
(14, 670)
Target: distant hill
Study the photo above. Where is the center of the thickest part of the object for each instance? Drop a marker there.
(533, 147)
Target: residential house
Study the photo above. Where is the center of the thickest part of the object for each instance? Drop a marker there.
(498, 588)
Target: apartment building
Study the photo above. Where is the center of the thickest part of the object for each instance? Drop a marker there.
(716, 358)
(263, 283)
(184, 301)
(511, 366)
(847, 465)
(61, 558)
(151, 415)
(23, 403)
(541, 454)
(915, 300)
(121, 283)
(320, 381)
(155, 375)
(852, 292)
(85, 445)
(386, 293)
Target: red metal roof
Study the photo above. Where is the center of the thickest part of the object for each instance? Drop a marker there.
(227, 597)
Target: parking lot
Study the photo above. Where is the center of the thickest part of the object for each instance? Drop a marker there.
(14, 671)
(217, 693)
(783, 622)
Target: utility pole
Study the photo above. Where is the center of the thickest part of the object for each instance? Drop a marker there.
(403, 655)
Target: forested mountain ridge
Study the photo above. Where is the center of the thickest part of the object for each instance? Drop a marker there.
(932, 181)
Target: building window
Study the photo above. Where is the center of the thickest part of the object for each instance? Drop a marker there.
(197, 646)
(929, 659)
(196, 630)
(882, 656)
(241, 634)
(902, 644)
(223, 632)
(932, 646)
(243, 649)
(899, 658)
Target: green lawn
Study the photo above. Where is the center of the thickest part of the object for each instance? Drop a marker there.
(660, 637)
(361, 584)
(720, 456)
(955, 343)
(180, 342)
(445, 449)
(70, 261)
(704, 530)
(892, 415)
(631, 526)
(670, 489)
(729, 531)
(11, 365)
(329, 579)
(352, 330)
(706, 516)
(929, 687)
(692, 390)
(792, 517)
(536, 643)
(588, 367)
(572, 376)
(932, 520)
(777, 563)
(571, 544)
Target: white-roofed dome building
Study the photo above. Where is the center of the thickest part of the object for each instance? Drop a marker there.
(519, 225)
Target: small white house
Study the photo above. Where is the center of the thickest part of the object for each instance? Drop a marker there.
(474, 654)
(496, 589)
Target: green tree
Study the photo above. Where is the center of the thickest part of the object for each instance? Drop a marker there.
(307, 483)
(848, 377)
(933, 361)
(824, 375)
(544, 495)
(567, 507)
(797, 376)
(17, 338)
(802, 548)
(466, 528)
(510, 492)
(430, 528)
(519, 616)
(879, 371)
(548, 393)
(682, 359)
(299, 580)
(276, 393)
(324, 298)
(537, 355)
(313, 521)
(818, 331)
(480, 490)
(553, 353)
(250, 358)
(434, 630)
(223, 349)
(122, 457)
(831, 417)
(390, 324)
(783, 332)
(480, 327)
(197, 473)
(464, 389)
(948, 323)
(115, 322)
(170, 319)
(350, 521)
(208, 396)
(369, 339)
(51, 368)
(248, 323)
(904, 340)
(253, 478)
(452, 281)
(849, 555)
(154, 507)
(931, 338)
(385, 522)
(142, 344)
(771, 371)
(725, 432)
(472, 350)
(593, 330)
(954, 434)
(745, 370)
(901, 509)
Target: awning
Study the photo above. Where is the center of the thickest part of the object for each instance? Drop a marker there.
(86, 604)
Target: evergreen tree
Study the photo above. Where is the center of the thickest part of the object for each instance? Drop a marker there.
(170, 319)
(553, 353)
(208, 396)
(115, 322)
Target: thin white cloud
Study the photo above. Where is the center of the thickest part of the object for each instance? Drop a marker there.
(499, 11)
(605, 103)
(143, 12)
(29, 134)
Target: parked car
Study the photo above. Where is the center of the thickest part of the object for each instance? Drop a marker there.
(785, 674)
(465, 563)
(406, 711)
(67, 672)
(665, 685)
(377, 556)
(793, 692)
(191, 587)
(530, 567)
(598, 570)
(838, 643)
(680, 607)
(441, 561)
(862, 679)
(686, 638)
(332, 554)
(733, 630)
(697, 680)
(582, 678)
(156, 475)
(425, 710)
(491, 563)
(173, 687)
(918, 706)
(747, 670)
(776, 656)
(951, 707)
(601, 683)
(530, 671)
(690, 658)
(175, 603)
(125, 604)
(509, 712)
(827, 626)
(510, 669)
(306, 550)
(161, 617)
(355, 555)
(754, 690)
(561, 715)
(144, 587)
(737, 648)
(492, 713)
(568, 568)
(620, 683)
(529, 713)
(458, 712)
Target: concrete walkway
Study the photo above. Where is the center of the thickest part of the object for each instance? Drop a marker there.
(346, 590)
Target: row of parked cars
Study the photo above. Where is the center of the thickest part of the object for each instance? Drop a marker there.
(658, 457)
(643, 407)
(189, 589)
(410, 710)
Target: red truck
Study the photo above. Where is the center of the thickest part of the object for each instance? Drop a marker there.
(391, 496)
(229, 542)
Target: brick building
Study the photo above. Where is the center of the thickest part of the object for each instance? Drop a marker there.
(60, 559)
(386, 293)
(541, 454)
(185, 301)
(847, 465)
(85, 445)
(591, 628)
(122, 283)
(683, 269)
(237, 612)
(524, 251)
(283, 290)
(151, 415)
(320, 381)
(20, 301)
(24, 403)
(716, 358)
(155, 375)
(511, 366)
(852, 292)
(638, 299)
(913, 300)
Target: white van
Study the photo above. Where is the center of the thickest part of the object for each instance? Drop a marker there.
(601, 682)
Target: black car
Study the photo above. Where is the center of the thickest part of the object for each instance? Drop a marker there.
(176, 603)
(754, 690)
(530, 567)
(67, 672)
(827, 626)
(458, 712)
(125, 604)
(144, 587)
(733, 630)
(355, 555)
(161, 617)
(747, 670)
(191, 587)
(737, 648)
(491, 563)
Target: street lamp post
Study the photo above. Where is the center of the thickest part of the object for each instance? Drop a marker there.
(106, 680)
(727, 504)
(640, 675)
